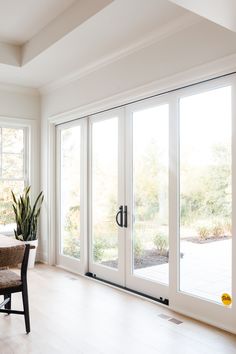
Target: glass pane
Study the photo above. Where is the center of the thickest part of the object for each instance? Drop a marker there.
(7, 219)
(205, 194)
(12, 140)
(70, 192)
(0, 152)
(150, 193)
(12, 166)
(105, 192)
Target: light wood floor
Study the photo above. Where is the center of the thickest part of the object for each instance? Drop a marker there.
(72, 314)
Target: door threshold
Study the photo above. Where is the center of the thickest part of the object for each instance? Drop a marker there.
(160, 300)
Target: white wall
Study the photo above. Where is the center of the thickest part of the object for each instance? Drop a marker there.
(17, 102)
(202, 43)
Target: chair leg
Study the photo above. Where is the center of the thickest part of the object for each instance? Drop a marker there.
(8, 305)
(26, 308)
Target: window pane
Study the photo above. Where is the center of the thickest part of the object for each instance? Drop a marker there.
(105, 192)
(70, 192)
(206, 194)
(150, 193)
(12, 166)
(0, 152)
(12, 140)
(7, 219)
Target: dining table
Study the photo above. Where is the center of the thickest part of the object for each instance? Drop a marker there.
(8, 241)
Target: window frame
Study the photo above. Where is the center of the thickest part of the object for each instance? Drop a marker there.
(30, 152)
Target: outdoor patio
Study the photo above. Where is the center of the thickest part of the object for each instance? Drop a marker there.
(205, 269)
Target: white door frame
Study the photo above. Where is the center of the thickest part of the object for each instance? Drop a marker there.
(190, 305)
(70, 263)
(140, 284)
(101, 271)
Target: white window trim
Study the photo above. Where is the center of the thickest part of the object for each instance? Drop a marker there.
(31, 146)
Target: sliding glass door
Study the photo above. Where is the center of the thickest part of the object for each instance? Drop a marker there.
(71, 194)
(206, 204)
(106, 259)
(147, 189)
(205, 169)
(129, 234)
(160, 199)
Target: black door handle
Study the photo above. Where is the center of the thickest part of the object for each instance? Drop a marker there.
(120, 214)
(125, 216)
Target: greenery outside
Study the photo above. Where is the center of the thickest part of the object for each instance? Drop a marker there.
(11, 173)
(205, 197)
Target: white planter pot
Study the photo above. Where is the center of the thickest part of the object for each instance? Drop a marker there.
(32, 254)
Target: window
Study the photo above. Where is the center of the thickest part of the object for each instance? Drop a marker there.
(13, 171)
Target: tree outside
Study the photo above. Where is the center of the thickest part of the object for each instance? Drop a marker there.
(11, 173)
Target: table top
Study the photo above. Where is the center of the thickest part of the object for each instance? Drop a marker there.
(6, 241)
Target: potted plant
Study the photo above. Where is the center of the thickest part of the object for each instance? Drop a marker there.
(26, 217)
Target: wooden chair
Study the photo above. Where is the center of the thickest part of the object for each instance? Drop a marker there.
(10, 282)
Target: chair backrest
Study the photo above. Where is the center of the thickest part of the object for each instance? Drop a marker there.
(24, 265)
(11, 256)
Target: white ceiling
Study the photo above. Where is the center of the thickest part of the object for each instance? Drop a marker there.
(45, 42)
(20, 20)
(105, 32)
(109, 32)
(222, 12)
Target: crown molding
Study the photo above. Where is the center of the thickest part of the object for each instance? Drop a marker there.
(194, 75)
(165, 31)
(18, 120)
(19, 89)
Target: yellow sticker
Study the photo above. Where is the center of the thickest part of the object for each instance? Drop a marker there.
(226, 299)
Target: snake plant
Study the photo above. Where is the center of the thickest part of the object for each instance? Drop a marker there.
(26, 216)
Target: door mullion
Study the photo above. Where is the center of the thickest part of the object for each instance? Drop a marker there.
(233, 195)
(121, 194)
(173, 199)
(129, 192)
